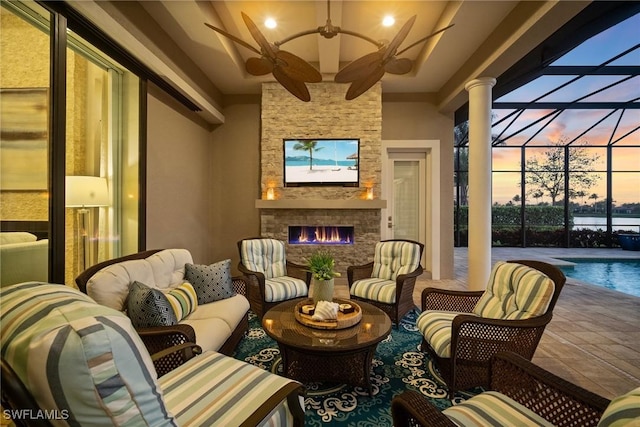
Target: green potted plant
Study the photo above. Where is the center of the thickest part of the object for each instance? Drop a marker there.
(322, 267)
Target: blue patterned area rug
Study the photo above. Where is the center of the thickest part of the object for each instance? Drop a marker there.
(397, 366)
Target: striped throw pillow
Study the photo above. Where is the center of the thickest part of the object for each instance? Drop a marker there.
(183, 300)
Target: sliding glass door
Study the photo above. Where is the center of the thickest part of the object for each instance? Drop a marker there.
(92, 116)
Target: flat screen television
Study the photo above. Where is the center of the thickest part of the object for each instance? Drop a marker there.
(318, 162)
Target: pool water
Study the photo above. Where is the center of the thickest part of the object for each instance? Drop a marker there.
(621, 275)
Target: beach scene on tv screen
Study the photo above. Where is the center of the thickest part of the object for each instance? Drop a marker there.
(321, 161)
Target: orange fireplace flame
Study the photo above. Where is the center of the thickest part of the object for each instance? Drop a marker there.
(322, 235)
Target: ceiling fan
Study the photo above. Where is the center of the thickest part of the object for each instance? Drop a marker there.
(293, 72)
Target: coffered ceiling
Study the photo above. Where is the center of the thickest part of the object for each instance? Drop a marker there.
(486, 39)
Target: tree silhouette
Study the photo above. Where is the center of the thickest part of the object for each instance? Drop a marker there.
(461, 165)
(546, 174)
(309, 146)
(595, 198)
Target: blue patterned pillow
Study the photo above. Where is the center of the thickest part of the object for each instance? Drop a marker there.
(148, 307)
(211, 282)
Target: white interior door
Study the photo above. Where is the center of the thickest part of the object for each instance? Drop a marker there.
(406, 203)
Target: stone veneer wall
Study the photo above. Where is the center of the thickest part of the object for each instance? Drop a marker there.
(327, 115)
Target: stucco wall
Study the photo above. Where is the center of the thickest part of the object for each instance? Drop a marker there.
(178, 182)
(421, 121)
(235, 180)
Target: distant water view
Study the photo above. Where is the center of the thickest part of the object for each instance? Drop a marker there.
(594, 223)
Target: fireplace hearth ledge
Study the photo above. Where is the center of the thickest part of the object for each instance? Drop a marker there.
(320, 204)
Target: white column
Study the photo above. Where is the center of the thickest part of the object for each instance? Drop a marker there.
(479, 181)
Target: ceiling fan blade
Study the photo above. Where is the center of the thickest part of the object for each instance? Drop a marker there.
(399, 38)
(295, 87)
(398, 65)
(267, 48)
(234, 38)
(297, 68)
(359, 87)
(359, 68)
(425, 39)
(258, 66)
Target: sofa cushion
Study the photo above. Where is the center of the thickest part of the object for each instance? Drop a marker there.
(622, 411)
(382, 290)
(211, 282)
(162, 270)
(183, 300)
(231, 311)
(9, 237)
(148, 307)
(515, 291)
(392, 259)
(233, 392)
(79, 358)
(493, 409)
(266, 256)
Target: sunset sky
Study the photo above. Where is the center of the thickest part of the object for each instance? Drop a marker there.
(572, 123)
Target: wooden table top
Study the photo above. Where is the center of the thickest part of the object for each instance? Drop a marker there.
(280, 324)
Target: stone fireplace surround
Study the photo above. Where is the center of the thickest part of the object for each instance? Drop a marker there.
(327, 115)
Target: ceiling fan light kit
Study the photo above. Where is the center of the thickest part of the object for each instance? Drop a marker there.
(293, 72)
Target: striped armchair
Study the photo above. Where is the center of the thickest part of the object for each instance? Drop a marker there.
(463, 330)
(72, 361)
(389, 280)
(271, 278)
(522, 394)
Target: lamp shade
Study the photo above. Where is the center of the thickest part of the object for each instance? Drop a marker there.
(86, 191)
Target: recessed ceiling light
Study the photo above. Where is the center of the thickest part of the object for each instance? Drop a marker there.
(270, 23)
(388, 21)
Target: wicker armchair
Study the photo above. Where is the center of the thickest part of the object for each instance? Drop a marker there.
(388, 281)
(475, 339)
(550, 397)
(158, 339)
(271, 278)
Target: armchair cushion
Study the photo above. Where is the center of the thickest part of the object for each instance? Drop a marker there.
(436, 326)
(375, 289)
(211, 282)
(515, 291)
(493, 409)
(215, 390)
(78, 358)
(622, 411)
(394, 258)
(284, 288)
(266, 256)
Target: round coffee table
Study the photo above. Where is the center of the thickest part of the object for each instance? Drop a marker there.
(316, 355)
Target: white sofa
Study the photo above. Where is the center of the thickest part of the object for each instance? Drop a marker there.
(217, 325)
(23, 258)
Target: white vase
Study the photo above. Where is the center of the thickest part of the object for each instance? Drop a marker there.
(322, 290)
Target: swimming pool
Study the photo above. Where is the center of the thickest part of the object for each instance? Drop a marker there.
(622, 275)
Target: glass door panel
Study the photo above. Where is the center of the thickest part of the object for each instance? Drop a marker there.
(408, 198)
(24, 143)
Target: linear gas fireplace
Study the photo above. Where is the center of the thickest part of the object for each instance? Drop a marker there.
(321, 235)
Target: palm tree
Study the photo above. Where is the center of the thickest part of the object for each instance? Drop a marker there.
(309, 146)
(595, 198)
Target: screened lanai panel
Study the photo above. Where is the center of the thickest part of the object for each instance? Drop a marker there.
(626, 159)
(506, 159)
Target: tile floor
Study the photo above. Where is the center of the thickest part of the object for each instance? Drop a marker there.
(593, 339)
